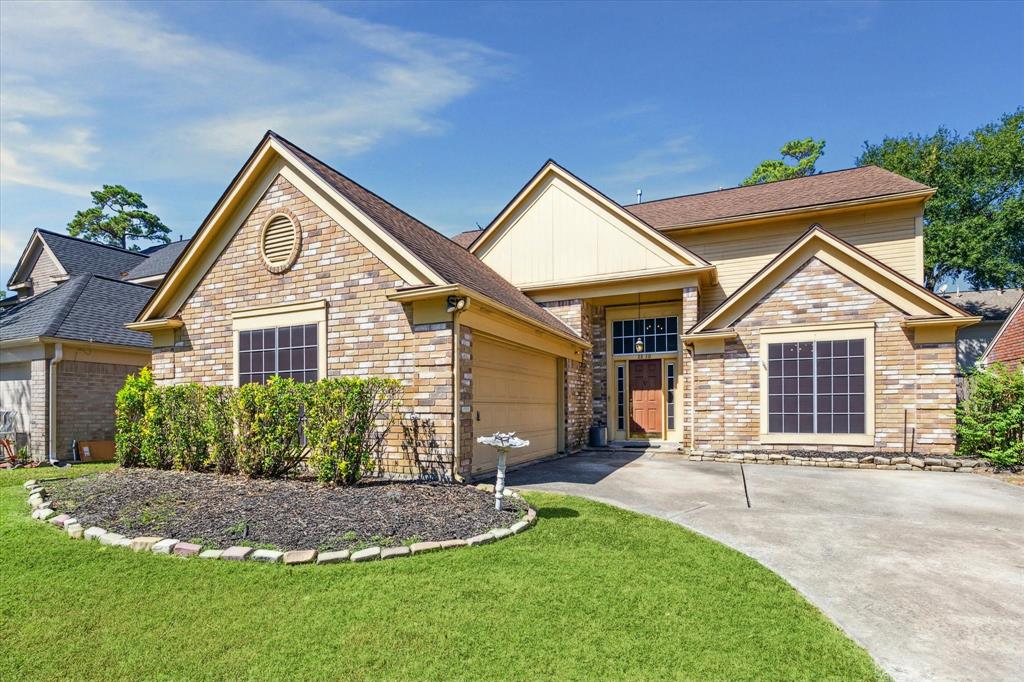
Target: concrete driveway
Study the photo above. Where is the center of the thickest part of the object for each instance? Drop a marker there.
(925, 570)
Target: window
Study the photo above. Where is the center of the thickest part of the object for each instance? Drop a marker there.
(670, 397)
(659, 335)
(620, 397)
(817, 387)
(290, 352)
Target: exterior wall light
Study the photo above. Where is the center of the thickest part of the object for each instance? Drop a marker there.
(639, 346)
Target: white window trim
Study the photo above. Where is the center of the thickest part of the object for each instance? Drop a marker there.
(821, 332)
(287, 315)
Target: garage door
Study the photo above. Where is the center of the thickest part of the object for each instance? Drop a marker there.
(514, 389)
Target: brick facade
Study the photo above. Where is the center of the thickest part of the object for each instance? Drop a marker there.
(39, 392)
(910, 380)
(367, 334)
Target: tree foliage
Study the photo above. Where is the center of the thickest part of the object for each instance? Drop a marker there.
(804, 153)
(974, 225)
(116, 217)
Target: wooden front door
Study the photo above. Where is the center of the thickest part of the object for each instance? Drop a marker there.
(645, 398)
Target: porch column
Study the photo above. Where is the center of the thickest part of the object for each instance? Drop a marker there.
(688, 316)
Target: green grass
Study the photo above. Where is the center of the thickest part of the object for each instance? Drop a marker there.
(592, 592)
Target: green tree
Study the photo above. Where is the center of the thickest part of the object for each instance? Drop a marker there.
(974, 224)
(117, 216)
(804, 152)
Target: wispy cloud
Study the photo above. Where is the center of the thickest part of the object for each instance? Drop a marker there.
(88, 82)
(668, 159)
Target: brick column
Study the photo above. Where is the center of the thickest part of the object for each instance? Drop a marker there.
(578, 396)
(466, 434)
(709, 401)
(688, 316)
(936, 398)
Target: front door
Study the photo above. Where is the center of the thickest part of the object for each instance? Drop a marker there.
(645, 398)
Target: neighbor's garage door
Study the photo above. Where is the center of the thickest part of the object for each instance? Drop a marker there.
(514, 389)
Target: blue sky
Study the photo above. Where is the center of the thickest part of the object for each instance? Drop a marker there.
(447, 109)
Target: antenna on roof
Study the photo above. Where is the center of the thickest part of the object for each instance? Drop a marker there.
(639, 196)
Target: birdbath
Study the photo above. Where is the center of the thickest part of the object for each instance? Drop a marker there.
(502, 442)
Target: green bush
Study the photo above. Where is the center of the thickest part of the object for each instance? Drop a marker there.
(184, 426)
(990, 422)
(156, 430)
(269, 418)
(347, 422)
(129, 417)
(219, 428)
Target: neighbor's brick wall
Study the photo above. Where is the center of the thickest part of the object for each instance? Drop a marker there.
(39, 400)
(85, 401)
(1009, 347)
(578, 391)
(367, 335)
(905, 377)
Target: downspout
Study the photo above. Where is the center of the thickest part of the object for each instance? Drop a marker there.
(58, 356)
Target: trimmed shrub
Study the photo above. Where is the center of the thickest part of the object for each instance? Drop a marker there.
(183, 423)
(156, 432)
(129, 417)
(219, 429)
(269, 419)
(990, 422)
(347, 422)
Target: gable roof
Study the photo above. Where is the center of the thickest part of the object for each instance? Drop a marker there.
(551, 168)
(159, 261)
(913, 299)
(812, 191)
(436, 255)
(1008, 343)
(87, 307)
(990, 304)
(77, 256)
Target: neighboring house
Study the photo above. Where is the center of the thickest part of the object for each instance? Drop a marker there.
(780, 316)
(64, 349)
(993, 306)
(1008, 345)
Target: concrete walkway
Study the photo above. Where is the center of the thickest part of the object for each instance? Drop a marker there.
(925, 570)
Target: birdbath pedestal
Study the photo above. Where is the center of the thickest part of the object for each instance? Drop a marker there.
(502, 442)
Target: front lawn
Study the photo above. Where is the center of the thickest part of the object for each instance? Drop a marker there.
(591, 592)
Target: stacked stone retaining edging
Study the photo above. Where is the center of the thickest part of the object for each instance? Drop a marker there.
(887, 461)
(42, 511)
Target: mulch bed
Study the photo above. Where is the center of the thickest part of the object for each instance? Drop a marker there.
(219, 511)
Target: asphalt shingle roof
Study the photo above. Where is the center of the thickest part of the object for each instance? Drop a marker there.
(78, 256)
(84, 308)
(991, 304)
(453, 262)
(813, 190)
(159, 262)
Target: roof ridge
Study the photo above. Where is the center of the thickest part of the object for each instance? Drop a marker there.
(358, 184)
(81, 281)
(119, 281)
(42, 230)
(762, 184)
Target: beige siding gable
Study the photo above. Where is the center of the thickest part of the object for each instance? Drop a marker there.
(561, 235)
(45, 273)
(893, 236)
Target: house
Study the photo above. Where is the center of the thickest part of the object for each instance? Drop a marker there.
(64, 349)
(780, 316)
(993, 306)
(1007, 346)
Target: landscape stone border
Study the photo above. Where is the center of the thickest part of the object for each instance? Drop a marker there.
(42, 511)
(884, 461)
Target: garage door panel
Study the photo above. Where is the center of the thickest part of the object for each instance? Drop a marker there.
(514, 389)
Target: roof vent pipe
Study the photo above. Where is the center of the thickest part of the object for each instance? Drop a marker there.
(639, 195)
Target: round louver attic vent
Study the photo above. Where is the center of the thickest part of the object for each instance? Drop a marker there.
(280, 241)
